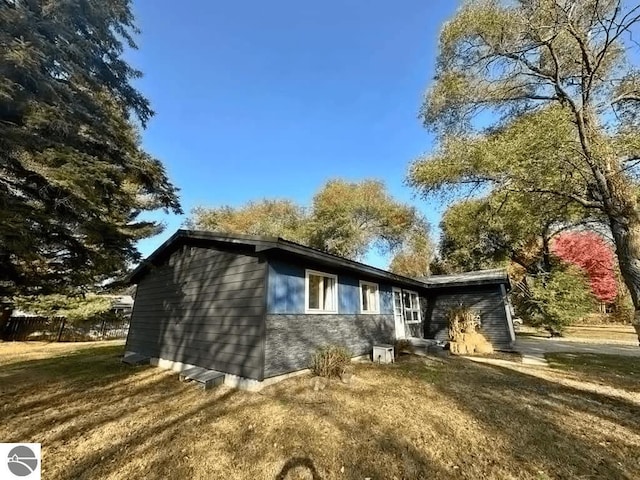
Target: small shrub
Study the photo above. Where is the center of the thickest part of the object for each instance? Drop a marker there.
(403, 346)
(330, 361)
(554, 300)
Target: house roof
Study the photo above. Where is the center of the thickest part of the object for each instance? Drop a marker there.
(275, 244)
(264, 244)
(122, 301)
(479, 277)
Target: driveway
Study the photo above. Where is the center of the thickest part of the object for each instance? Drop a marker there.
(533, 349)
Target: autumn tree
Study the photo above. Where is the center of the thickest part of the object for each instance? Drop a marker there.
(505, 227)
(345, 218)
(503, 230)
(466, 244)
(348, 218)
(274, 218)
(590, 252)
(413, 258)
(538, 97)
(74, 177)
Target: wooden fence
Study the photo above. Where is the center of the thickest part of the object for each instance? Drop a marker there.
(58, 329)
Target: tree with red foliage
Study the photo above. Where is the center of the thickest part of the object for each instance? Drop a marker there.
(591, 252)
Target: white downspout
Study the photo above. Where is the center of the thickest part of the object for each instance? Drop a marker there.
(507, 309)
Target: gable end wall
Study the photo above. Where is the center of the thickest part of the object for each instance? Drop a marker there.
(204, 307)
(485, 300)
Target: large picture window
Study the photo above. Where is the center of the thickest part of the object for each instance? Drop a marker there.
(411, 306)
(369, 297)
(321, 292)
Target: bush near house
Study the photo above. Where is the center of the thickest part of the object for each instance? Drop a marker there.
(330, 361)
(403, 346)
(555, 300)
(463, 335)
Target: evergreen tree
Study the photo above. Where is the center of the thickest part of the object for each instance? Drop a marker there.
(73, 175)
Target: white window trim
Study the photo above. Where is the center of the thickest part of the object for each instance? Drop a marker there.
(308, 272)
(409, 320)
(371, 284)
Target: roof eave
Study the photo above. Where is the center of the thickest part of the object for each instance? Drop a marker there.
(325, 258)
(264, 244)
(133, 277)
(469, 283)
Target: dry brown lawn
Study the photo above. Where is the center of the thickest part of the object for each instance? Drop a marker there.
(12, 352)
(424, 417)
(604, 333)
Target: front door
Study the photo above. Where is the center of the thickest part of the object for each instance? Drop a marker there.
(398, 313)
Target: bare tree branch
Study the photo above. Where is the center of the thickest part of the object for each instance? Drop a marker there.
(576, 198)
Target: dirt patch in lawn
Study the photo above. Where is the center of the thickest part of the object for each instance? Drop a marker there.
(422, 417)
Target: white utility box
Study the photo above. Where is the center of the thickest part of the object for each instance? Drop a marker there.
(383, 354)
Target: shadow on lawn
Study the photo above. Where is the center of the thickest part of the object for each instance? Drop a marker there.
(554, 423)
(67, 401)
(533, 428)
(79, 365)
(99, 418)
(302, 466)
(615, 370)
(154, 442)
(32, 389)
(70, 371)
(344, 443)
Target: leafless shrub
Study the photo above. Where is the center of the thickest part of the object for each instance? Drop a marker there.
(330, 361)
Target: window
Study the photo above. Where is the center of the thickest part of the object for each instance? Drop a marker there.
(369, 297)
(321, 292)
(411, 306)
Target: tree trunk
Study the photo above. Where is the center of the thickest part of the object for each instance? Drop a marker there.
(626, 234)
(61, 329)
(619, 199)
(546, 252)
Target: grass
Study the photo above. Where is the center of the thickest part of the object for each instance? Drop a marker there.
(617, 333)
(422, 417)
(616, 370)
(12, 352)
(606, 333)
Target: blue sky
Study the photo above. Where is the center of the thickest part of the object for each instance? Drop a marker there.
(270, 99)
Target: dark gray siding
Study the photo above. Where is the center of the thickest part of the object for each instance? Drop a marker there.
(487, 301)
(292, 339)
(204, 307)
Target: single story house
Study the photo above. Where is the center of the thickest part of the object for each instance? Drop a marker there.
(256, 308)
